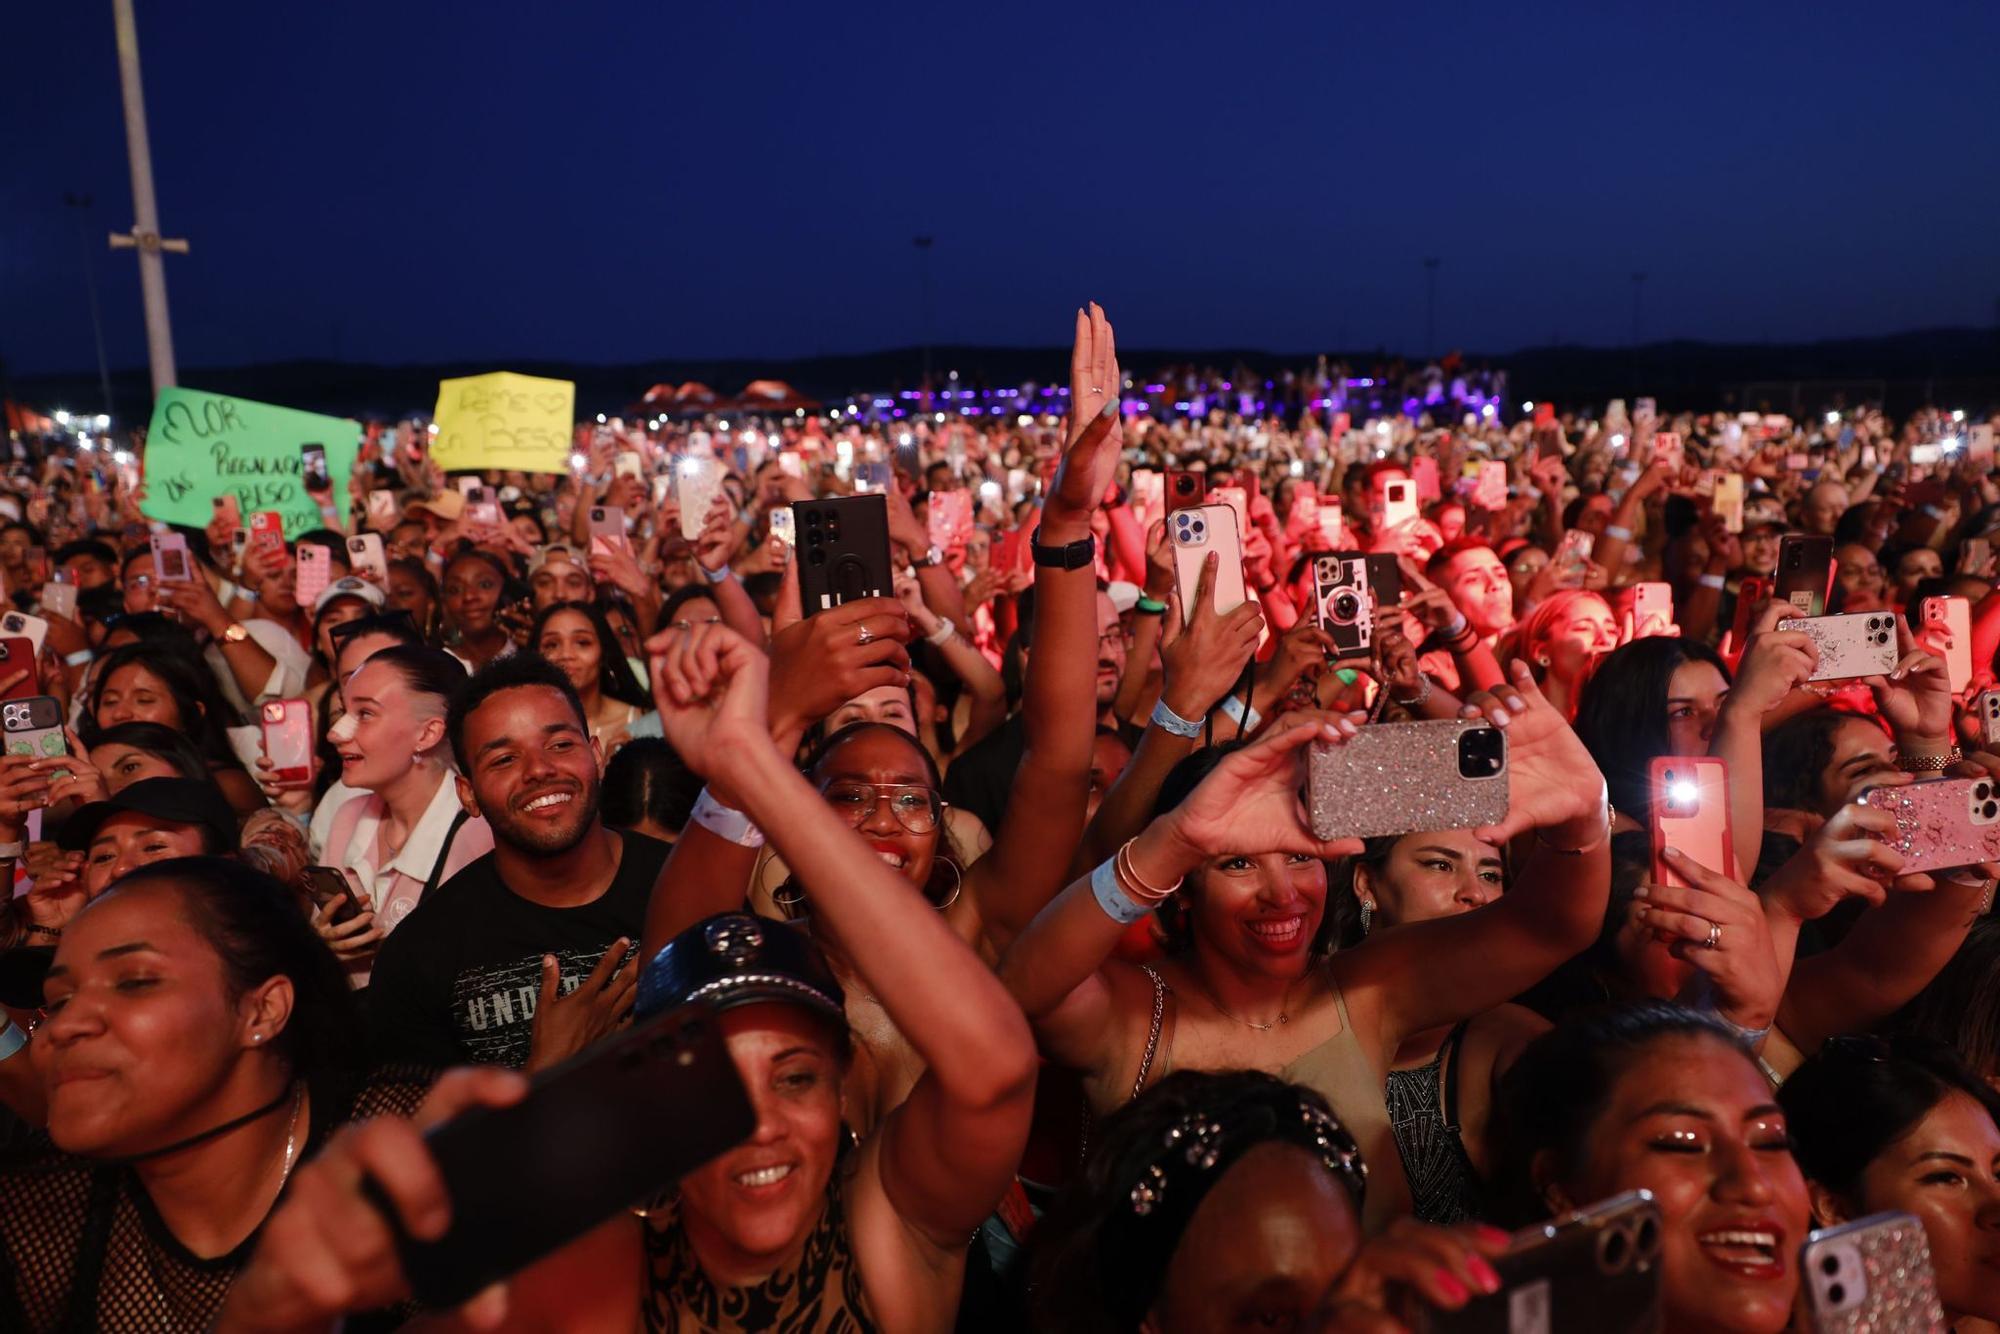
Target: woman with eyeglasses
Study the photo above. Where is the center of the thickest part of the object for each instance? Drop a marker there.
(882, 781)
(576, 637)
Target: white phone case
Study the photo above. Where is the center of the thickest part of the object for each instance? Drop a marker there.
(1853, 644)
(699, 480)
(1196, 532)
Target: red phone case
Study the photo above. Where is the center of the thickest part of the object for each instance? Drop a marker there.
(1691, 814)
(14, 655)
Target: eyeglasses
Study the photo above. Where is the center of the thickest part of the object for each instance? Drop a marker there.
(916, 806)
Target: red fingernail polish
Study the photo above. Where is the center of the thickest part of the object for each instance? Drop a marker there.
(1453, 1289)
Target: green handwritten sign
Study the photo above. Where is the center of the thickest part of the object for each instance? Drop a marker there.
(203, 445)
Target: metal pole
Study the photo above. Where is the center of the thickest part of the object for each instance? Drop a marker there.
(80, 203)
(146, 215)
(1430, 309)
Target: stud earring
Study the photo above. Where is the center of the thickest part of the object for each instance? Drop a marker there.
(256, 1037)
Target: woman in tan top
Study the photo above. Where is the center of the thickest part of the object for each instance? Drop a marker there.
(1247, 983)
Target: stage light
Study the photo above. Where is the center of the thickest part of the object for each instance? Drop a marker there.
(1528, 406)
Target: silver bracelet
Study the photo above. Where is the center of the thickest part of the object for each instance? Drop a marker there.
(1422, 695)
(1167, 720)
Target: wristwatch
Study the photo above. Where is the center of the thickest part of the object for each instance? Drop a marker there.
(934, 556)
(1075, 556)
(235, 634)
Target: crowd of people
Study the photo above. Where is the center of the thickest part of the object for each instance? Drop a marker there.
(1064, 988)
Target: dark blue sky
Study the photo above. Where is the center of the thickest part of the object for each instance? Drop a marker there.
(408, 180)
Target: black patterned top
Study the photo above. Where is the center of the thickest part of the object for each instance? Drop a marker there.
(821, 1295)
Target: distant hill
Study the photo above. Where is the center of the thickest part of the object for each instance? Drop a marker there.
(1959, 367)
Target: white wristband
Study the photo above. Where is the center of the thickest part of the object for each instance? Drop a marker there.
(1167, 720)
(1111, 896)
(713, 576)
(942, 635)
(1235, 710)
(725, 823)
(1714, 581)
(1619, 531)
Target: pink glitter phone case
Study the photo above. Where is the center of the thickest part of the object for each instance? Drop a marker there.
(1397, 778)
(1872, 1277)
(1943, 823)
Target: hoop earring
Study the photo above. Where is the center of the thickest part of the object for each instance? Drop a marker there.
(957, 883)
(1367, 915)
(792, 905)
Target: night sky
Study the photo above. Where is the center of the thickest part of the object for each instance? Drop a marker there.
(410, 180)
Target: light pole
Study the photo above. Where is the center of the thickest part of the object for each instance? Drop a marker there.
(923, 245)
(145, 234)
(81, 203)
(1430, 308)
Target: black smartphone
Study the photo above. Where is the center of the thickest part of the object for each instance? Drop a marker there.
(1385, 580)
(608, 1129)
(1805, 572)
(843, 550)
(312, 469)
(328, 884)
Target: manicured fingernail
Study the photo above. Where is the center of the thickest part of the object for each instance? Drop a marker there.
(1484, 1274)
(1110, 408)
(1641, 892)
(1453, 1289)
(1493, 1236)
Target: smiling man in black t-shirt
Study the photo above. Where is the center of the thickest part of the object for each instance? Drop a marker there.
(464, 977)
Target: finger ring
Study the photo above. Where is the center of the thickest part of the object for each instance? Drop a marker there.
(867, 636)
(1095, 390)
(1714, 936)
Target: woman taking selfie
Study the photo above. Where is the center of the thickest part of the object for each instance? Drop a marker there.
(785, 1230)
(1663, 1099)
(1905, 1125)
(200, 1044)
(576, 637)
(1247, 982)
(406, 832)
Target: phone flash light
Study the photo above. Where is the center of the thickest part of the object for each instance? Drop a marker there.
(1682, 793)
(1528, 406)
(903, 439)
(989, 490)
(689, 467)
(1298, 467)
(1617, 442)
(600, 419)
(1833, 419)
(577, 461)
(1958, 416)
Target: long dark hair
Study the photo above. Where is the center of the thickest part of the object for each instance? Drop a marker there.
(160, 742)
(1621, 713)
(614, 674)
(1551, 1097)
(205, 715)
(1797, 754)
(1961, 1005)
(254, 925)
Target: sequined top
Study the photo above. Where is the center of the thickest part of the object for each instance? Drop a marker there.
(822, 1294)
(1442, 1178)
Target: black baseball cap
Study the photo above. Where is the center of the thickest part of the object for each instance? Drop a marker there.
(193, 801)
(736, 959)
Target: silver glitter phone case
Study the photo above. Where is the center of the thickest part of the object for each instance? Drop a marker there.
(1941, 823)
(1854, 644)
(1397, 778)
(1871, 1277)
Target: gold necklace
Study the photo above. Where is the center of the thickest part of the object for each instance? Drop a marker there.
(1284, 1013)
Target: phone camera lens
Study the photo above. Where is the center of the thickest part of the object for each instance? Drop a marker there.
(815, 556)
(1836, 1293)
(1829, 1265)
(1346, 607)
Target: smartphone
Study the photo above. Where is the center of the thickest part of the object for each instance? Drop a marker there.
(1424, 472)
(365, 556)
(18, 624)
(1238, 501)
(1871, 1276)
(1147, 495)
(1332, 522)
(790, 464)
(33, 726)
(1399, 504)
(1979, 443)
(696, 480)
(1941, 823)
(59, 598)
(1595, 1271)
(1545, 415)
(1805, 572)
(607, 528)
(845, 546)
(1751, 595)
(1924, 456)
(949, 517)
(1185, 490)
(315, 573)
(313, 475)
(1667, 450)
(782, 526)
(1727, 502)
(469, 485)
(1852, 645)
(170, 557)
(267, 530)
(229, 511)
(1652, 605)
(1691, 815)
(1345, 610)
(607, 1130)
(16, 654)
(288, 739)
(1194, 534)
(1490, 491)
(329, 884)
(382, 511)
(1951, 615)
(628, 464)
(1572, 560)
(1385, 580)
(1397, 778)
(1988, 709)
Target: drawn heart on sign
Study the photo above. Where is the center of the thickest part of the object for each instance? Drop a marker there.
(551, 402)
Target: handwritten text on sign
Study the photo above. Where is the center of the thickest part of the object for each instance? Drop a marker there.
(504, 420)
(200, 446)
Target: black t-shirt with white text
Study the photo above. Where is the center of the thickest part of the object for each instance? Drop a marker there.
(457, 981)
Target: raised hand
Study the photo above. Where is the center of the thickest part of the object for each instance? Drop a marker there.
(821, 662)
(712, 688)
(1251, 799)
(1204, 653)
(1096, 433)
(1844, 858)
(1915, 698)
(1552, 780)
(1718, 926)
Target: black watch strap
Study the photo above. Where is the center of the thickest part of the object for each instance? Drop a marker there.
(1075, 556)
